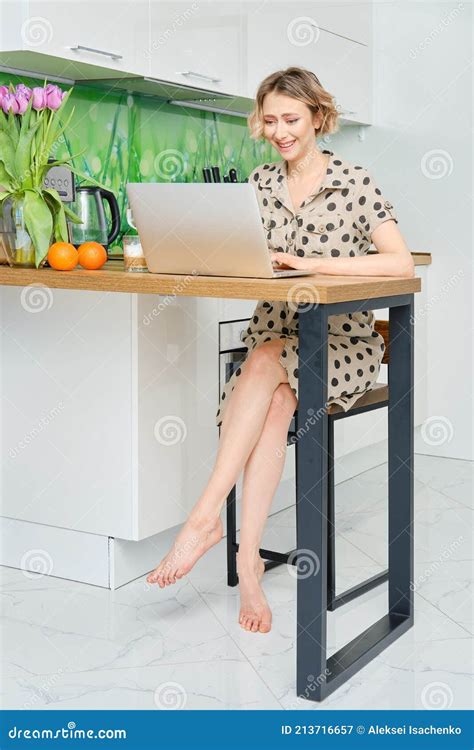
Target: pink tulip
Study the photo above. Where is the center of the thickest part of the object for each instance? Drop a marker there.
(9, 102)
(22, 103)
(3, 91)
(53, 97)
(23, 90)
(39, 98)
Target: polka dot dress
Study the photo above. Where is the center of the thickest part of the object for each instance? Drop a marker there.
(337, 219)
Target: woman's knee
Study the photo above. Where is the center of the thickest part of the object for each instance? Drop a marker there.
(284, 401)
(262, 360)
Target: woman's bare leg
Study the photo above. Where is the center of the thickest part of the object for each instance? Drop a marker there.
(242, 424)
(262, 475)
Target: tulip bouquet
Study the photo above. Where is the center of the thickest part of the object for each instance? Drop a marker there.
(30, 126)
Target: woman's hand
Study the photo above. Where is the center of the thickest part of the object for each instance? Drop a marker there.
(282, 261)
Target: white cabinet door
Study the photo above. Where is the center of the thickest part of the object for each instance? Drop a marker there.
(108, 34)
(175, 386)
(197, 44)
(303, 36)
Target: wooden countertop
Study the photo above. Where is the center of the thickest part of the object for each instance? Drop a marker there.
(315, 288)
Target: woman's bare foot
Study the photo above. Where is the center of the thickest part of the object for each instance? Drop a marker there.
(255, 614)
(194, 539)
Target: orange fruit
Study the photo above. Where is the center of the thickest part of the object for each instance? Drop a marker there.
(92, 255)
(63, 256)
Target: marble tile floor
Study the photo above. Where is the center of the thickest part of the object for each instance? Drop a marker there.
(69, 645)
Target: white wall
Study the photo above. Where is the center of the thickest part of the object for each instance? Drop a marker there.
(420, 152)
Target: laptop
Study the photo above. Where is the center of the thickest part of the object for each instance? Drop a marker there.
(209, 229)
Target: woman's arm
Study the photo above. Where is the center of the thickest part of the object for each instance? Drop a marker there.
(393, 258)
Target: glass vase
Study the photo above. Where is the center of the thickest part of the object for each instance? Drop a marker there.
(15, 240)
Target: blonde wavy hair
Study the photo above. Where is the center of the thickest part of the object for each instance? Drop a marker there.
(301, 84)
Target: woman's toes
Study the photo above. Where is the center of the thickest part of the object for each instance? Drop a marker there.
(254, 627)
(265, 627)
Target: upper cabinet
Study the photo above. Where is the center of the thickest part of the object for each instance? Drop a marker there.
(332, 40)
(198, 44)
(226, 47)
(84, 39)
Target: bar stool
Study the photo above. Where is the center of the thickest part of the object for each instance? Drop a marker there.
(376, 398)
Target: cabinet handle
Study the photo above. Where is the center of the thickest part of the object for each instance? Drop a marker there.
(343, 111)
(113, 55)
(198, 75)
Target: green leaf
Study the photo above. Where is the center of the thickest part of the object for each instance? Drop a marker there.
(73, 216)
(57, 163)
(39, 222)
(26, 117)
(23, 160)
(89, 178)
(7, 151)
(55, 128)
(59, 218)
(5, 180)
(4, 195)
(13, 127)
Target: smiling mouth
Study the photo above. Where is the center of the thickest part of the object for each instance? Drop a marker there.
(287, 145)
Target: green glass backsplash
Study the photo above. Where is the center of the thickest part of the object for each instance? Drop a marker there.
(127, 138)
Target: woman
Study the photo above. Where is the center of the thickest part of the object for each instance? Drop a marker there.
(322, 213)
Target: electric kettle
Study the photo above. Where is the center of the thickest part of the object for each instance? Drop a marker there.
(89, 206)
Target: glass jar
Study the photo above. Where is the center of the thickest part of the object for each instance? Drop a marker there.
(133, 258)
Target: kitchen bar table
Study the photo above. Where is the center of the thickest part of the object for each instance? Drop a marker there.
(315, 297)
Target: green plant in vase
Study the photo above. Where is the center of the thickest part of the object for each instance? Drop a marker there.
(33, 215)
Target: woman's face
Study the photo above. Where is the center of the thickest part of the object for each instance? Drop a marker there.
(289, 125)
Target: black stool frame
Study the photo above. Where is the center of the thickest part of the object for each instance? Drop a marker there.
(317, 675)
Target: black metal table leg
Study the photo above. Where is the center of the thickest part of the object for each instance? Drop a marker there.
(400, 461)
(311, 500)
(316, 675)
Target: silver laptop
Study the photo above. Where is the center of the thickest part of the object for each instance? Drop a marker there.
(210, 229)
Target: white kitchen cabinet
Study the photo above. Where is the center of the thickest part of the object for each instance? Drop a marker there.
(331, 42)
(108, 35)
(197, 44)
(108, 404)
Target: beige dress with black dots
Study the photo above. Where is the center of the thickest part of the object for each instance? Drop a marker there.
(336, 220)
